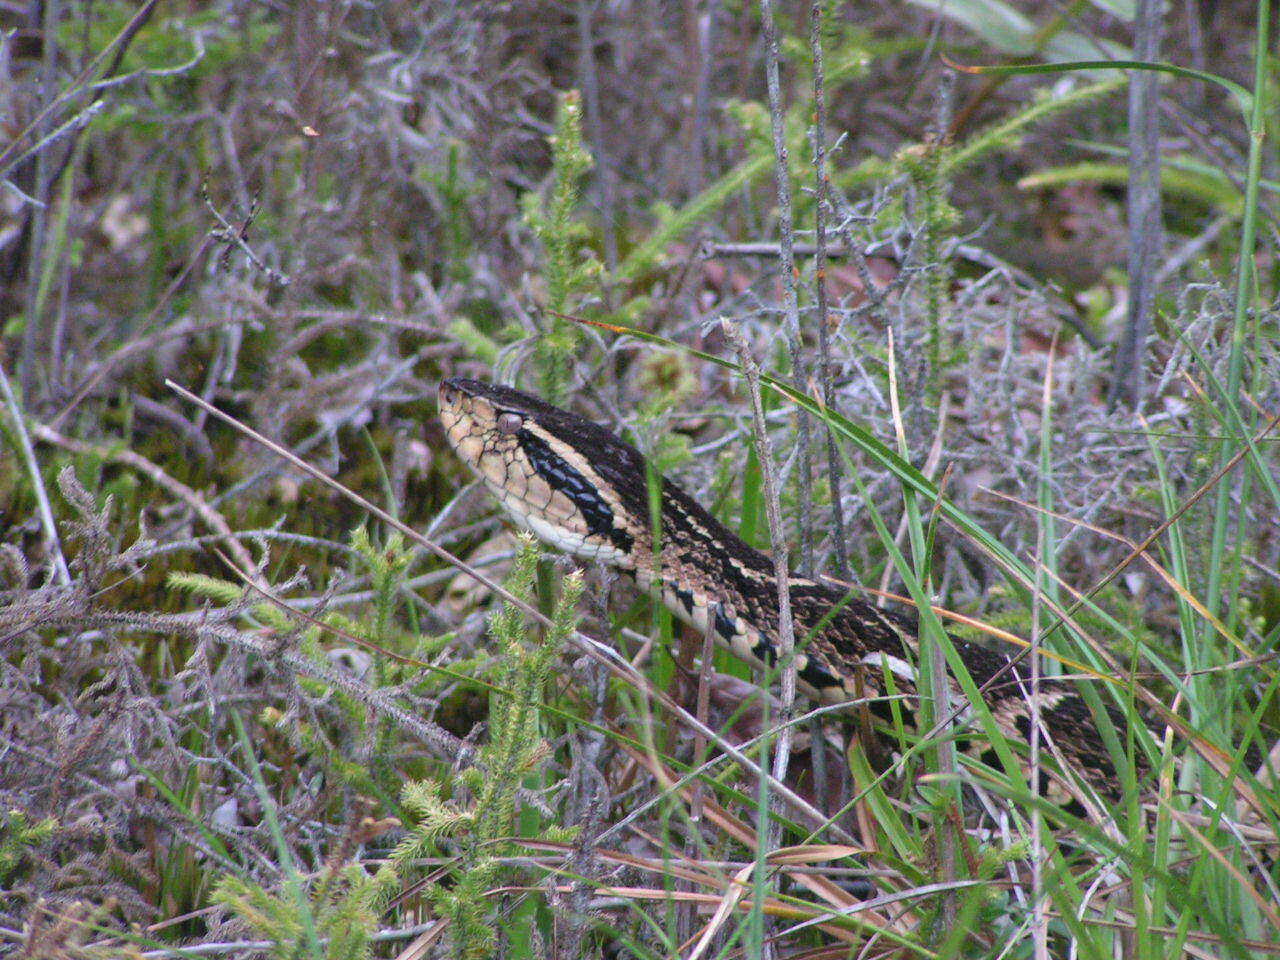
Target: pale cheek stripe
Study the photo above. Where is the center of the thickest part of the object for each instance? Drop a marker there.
(571, 543)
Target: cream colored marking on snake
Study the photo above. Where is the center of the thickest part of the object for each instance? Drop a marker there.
(581, 489)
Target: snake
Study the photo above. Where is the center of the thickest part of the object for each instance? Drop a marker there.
(578, 487)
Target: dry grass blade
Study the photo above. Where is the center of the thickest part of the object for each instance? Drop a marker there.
(773, 906)
(837, 897)
(739, 887)
(813, 853)
(1144, 554)
(421, 946)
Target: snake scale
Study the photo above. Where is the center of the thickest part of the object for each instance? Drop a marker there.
(581, 489)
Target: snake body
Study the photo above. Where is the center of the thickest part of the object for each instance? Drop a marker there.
(581, 489)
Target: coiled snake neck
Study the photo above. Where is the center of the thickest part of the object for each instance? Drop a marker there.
(581, 489)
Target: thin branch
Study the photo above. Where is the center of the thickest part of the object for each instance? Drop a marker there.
(821, 188)
(1039, 902)
(37, 482)
(781, 571)
(595, 130)
(118, 46)
(235, 236)
(1144, 207)
(210, 517)
(790, 292)
(702, 38)
(75, 124)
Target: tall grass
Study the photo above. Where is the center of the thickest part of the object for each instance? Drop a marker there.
(494, 846)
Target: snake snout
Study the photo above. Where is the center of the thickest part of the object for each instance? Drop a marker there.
(454, 389)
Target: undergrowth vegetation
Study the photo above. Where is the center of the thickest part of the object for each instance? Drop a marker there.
(251, 712)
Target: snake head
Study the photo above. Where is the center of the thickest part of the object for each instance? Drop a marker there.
(555, 473)
(483, 423)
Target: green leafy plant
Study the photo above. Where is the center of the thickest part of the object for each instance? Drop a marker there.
(480, 828)
(331, 918)
(18, 834)
(569, 269)
(334, 922)
(386, 567)
(454, 191)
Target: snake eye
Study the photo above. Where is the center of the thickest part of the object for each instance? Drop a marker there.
(510, 423)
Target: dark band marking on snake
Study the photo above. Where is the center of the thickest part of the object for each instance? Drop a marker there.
(583, 490)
